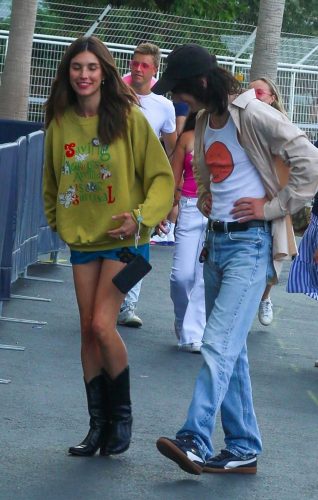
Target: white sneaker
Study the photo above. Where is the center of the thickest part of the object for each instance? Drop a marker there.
(170, 238)
(158, 240)
(265, 312)
(196, 348)
(127, 317)
(164, 239)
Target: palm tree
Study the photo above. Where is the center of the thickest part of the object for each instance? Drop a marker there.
(15, 79)
(267, 41)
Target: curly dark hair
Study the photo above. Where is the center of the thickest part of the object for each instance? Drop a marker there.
(215, 92)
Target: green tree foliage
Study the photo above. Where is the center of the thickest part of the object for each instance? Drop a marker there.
(223, 10)
(301, 16)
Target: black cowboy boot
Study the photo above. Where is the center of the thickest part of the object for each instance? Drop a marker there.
(120, 414)
(98, 409)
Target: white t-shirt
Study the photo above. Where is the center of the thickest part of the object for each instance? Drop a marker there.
(159, 112)
(232, 174)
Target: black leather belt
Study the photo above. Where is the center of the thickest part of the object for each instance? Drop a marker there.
(226, 227)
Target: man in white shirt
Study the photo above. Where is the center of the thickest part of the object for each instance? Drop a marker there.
(158, 110)
(160, 113)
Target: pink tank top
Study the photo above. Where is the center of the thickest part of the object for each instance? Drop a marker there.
(189, 188)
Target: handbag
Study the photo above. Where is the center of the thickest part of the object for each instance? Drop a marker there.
(301, 219)
(133, 272)
(137, 266)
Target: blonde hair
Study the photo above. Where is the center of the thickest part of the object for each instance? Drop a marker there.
(149, 49)
(278, 101)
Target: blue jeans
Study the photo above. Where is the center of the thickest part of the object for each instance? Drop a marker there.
(235, 277)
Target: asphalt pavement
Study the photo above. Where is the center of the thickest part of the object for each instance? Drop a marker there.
(43, 408)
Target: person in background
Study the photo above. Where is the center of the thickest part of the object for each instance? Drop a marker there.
(160, 113)
(266, 91)
(303, 273)
(182, 111)
(107, 182)
(127, 79)
(169, 225)
(167, 235)
(158, 110)
(186, 279)
(249, 232)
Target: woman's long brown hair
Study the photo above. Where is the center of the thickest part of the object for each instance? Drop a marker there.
(116, 97)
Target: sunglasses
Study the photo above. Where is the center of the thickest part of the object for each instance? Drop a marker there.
(261, 92)
(142, 65)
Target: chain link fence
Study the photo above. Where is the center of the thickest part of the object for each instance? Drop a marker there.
(122, 29)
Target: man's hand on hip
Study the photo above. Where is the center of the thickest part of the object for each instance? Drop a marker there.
(245, 209)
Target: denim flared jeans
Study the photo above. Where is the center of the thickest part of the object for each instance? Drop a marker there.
(235, 277)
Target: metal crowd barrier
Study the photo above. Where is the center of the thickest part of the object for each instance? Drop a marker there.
(24, 232)
(8, 213)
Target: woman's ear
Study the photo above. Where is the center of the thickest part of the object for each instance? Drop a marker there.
(273, 97)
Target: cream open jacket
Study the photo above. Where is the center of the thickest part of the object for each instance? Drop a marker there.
(268, 138)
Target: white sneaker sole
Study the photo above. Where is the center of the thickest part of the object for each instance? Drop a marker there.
(130, 323)
(190, 348)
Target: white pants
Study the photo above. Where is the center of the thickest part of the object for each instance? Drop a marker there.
(131, 299)
(186, 279)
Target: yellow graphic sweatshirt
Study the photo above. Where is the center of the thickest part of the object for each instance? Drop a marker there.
(86, 183)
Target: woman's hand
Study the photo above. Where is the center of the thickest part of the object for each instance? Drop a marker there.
(246, 209)
(177, 196)
(315, 257)
(207, 205)
(162, 227)
(128, 228)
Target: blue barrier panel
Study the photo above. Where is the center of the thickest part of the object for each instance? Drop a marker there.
(27, 225)
(31, 225)
(17, 266)
(8, 213)
(48, 241)
(11, 130)
(30, 216)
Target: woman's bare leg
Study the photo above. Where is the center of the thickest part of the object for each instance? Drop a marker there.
(107, 304)
(86, 277)
(93, 286)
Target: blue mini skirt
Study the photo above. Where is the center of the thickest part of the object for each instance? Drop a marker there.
(112, 254)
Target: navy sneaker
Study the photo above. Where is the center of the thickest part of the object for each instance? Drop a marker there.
(227, 462)
(184, 451)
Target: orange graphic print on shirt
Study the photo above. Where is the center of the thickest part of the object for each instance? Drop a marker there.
(219, 162)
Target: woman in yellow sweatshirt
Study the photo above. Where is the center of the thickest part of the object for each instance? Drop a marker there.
(107, 182)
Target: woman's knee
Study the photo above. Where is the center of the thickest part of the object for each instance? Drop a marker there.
(86, 330)
(103, 331)
(88, 340)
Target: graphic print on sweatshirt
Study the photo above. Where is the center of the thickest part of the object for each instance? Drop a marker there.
(88, 167)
